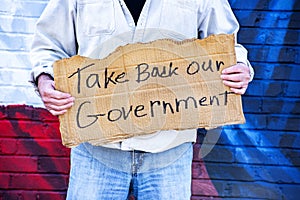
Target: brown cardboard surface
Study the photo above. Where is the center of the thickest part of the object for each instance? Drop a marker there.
(143, 88)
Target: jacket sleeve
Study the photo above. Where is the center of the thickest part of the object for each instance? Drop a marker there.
(216, 17)
(54, 37)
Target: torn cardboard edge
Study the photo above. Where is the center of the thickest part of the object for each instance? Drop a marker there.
(147, 87)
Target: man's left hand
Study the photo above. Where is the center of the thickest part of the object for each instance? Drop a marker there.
(237, 77)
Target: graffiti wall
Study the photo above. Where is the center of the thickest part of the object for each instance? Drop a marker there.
(257, 160)
(34, 164)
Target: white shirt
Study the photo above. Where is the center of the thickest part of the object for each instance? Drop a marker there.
(94, 28)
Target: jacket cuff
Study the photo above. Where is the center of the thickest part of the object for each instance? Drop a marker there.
(37, 72)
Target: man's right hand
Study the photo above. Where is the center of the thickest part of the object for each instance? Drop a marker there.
(55, 101)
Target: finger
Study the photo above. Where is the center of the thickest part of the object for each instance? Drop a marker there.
(58, 110)
(236, 87)
(56, 101)
(237, 76)
(53, 84)
(238, 91)
(233, 84)
(56, 113)
(233, 77)
(238, 68)
(61, 107)
(56, 97)
(232, 69)
(55, 94)
(52, 93)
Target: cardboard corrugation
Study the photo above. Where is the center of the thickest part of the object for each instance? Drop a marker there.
(143, 88)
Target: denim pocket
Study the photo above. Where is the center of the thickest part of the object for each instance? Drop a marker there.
(96, 17)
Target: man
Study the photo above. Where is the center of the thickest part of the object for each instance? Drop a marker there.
(155, 166)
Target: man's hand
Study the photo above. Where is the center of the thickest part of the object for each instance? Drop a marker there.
(237, 77)
(55, 101)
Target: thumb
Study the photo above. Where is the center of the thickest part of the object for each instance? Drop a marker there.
(53, 84)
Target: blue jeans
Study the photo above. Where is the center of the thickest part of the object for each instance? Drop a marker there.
(99, 173)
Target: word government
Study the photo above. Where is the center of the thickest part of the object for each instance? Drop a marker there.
(138, 111)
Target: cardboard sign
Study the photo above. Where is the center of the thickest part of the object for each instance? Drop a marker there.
(143, 88)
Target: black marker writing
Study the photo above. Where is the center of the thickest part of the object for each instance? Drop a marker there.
(144, 71)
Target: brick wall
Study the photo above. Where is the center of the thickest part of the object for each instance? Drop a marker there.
(257, 160)
(34, 164)
(17, 23)
(261, 159)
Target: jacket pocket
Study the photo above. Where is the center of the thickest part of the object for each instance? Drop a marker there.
(96, 17)
(179, 19)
